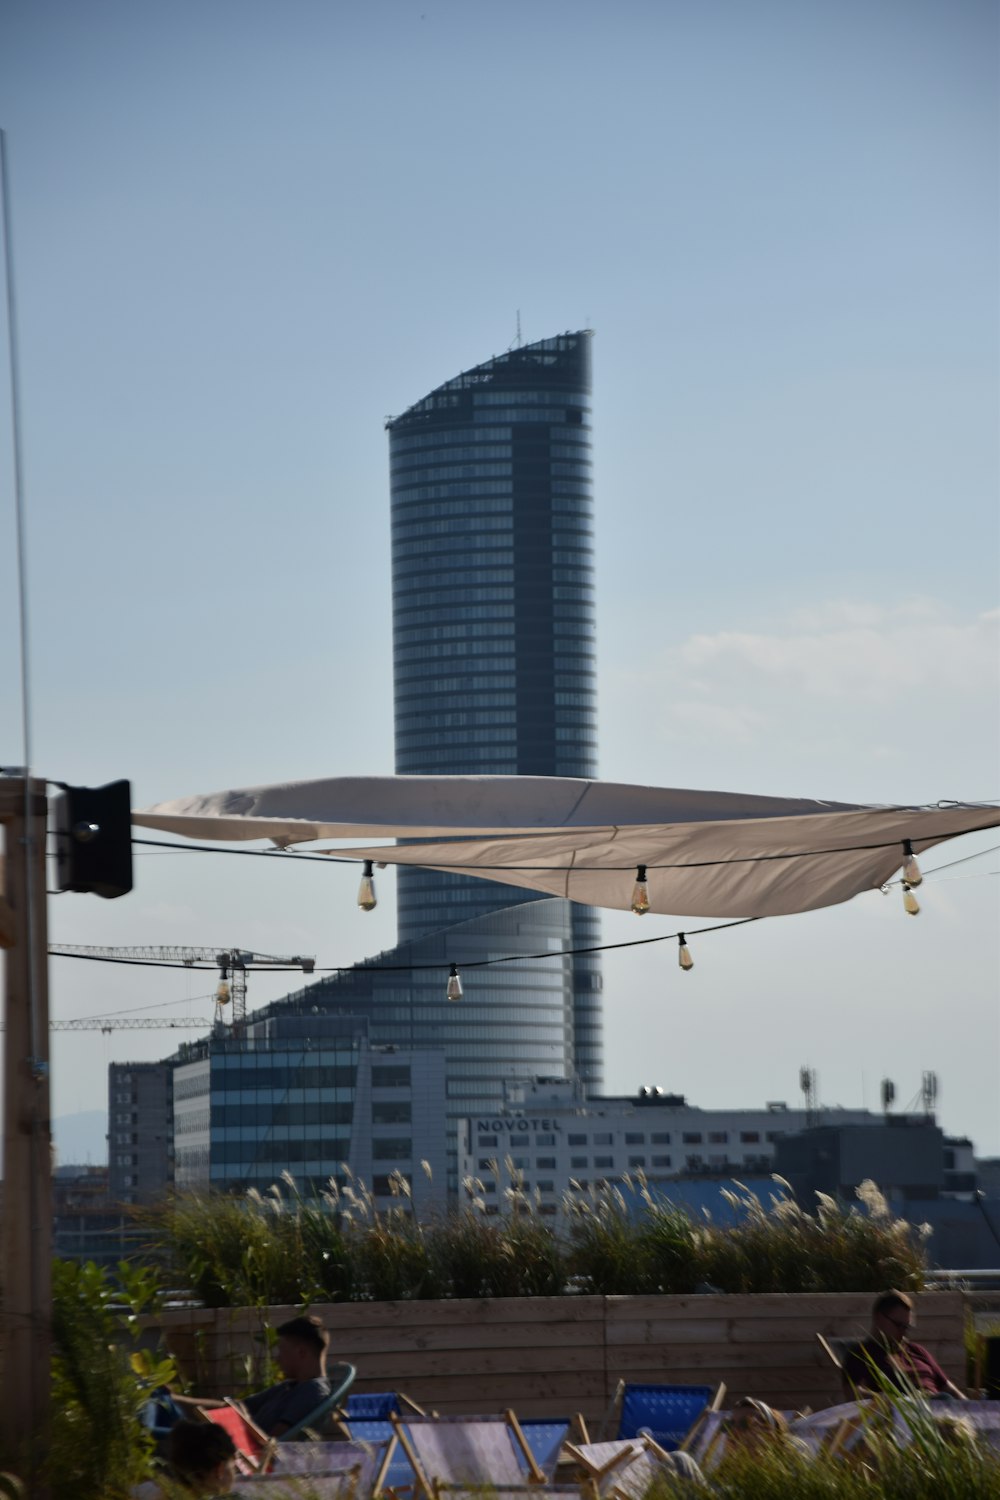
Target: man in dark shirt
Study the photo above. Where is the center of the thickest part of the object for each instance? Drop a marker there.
(301, 1356)
(889, 1357)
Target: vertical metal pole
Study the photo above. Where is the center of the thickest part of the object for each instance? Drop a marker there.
(26, 1230)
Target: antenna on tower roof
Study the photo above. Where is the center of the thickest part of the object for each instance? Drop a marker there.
(519, 328)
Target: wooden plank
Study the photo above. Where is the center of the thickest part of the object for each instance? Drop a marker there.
(486, 1311)
(803, 1357)
(764, 1305)
(514, 1336)
(486, 1362)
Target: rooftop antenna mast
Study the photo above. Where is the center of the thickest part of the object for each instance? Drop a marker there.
(519, 328)
(929, 1092)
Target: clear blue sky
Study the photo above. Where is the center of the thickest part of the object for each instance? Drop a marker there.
(246, 232)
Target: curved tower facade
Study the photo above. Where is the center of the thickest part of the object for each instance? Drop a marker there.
(494, 644)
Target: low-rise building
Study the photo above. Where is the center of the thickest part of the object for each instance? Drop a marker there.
(552, 1137)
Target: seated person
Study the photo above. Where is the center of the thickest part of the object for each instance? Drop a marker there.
(301, 1355)
(753, 1426)
(889, 1357)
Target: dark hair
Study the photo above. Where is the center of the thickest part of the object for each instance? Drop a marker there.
(888, 1300)
(307, 1331)
(195, 1448)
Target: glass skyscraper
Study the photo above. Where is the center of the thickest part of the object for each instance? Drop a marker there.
(494, 615)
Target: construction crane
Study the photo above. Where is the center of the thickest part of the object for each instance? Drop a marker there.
(232, 964)
(126, 1023)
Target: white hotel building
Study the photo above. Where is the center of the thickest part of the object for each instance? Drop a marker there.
(550, 1133)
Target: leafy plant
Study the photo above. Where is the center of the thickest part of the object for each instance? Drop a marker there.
(102, 1378)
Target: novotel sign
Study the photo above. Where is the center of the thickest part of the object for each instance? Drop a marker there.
(497, 1127)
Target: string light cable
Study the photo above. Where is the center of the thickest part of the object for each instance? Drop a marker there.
(474, 963)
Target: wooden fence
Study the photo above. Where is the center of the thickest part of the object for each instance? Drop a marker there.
(550, 1356)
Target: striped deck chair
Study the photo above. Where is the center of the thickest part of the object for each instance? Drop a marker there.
(370, 1462)
(467, 1451)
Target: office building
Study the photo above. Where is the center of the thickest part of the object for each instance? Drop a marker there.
(307, 1094)
(140, 1131)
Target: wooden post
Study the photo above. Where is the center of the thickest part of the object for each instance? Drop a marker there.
(26, 1234)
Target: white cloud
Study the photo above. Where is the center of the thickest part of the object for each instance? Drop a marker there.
(851, 699)
(887, 657)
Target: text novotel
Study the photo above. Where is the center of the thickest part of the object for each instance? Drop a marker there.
(497, 1127)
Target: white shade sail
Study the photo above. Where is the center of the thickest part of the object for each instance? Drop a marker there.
(708, 854)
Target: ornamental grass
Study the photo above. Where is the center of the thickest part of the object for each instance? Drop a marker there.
(282, 1247)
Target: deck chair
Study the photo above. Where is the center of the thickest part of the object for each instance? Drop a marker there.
(598, 1462)
(546, 1437)
(378, 1406)
(714, 1406)
(382, 1436)
(341, 1378)
(665, 1412)
(633, 1480)
(370, 1462)
(467, 1451)
(836, 1351)
(341, 1485)
(254, 1449)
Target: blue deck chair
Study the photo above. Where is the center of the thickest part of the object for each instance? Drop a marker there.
(376, 1433)
(371, 1407)
(546, 1436)
(665, 1412)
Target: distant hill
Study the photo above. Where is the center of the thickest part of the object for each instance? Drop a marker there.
(81, 1138)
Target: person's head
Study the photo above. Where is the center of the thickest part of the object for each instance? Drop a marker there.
(892, 1317)
(753, 1422)
(301, 1349)
(202, 1456)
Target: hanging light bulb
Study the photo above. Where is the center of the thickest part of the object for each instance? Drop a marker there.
(684, 952)
(911, 870)
(454, 990)
(640, 892)
(222, 993)
(910, 902)
(366, 890)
